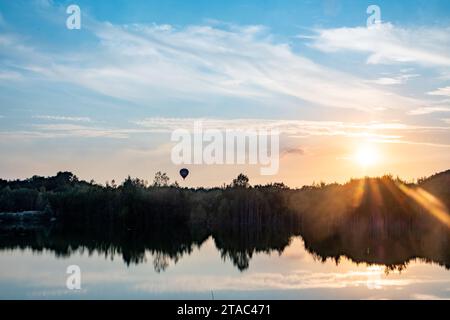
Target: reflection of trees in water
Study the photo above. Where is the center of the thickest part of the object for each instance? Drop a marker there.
(160, 262)
(240, 244)
(373, 221)
(162, 243)
(166, 246)
(395, 254)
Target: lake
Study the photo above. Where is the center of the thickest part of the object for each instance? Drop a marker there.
(204, 272)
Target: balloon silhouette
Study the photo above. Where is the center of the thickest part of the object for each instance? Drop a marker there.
(184, 173)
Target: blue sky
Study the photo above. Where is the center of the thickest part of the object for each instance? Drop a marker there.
(102, 101)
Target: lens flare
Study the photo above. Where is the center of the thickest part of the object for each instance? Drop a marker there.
(367, 156)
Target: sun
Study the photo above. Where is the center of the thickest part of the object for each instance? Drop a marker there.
(367, 156)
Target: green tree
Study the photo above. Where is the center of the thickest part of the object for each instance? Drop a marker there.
(161, 179)
(241, 181)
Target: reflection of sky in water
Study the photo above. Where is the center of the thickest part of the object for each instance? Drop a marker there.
(293, 275)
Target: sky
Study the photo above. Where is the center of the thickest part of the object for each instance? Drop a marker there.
(348, 100)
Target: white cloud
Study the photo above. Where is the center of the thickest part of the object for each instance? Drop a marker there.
(387, 43)
(386, 132)
(387, 81)
(381, 132)
(400, 79)
(142, 63)
(428, 110)
(52, 131)
(63, 118)
(441, 92)
(285, 126)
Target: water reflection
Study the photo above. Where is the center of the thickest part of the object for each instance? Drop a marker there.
(363, 243)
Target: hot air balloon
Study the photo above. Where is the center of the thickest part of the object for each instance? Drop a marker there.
(184, 173)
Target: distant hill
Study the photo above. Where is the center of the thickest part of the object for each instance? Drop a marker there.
(438, 185)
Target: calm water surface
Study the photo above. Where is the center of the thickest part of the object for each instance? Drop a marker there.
(202, 274)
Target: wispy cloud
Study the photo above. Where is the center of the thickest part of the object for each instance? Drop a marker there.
(380, 132)
(284, 126)
(52, 131)
(392, 132)
(441, 92)
(387, 81)
(387, 43)
(428, 110)
(148, 63)
(395, 80)
(63, 118)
